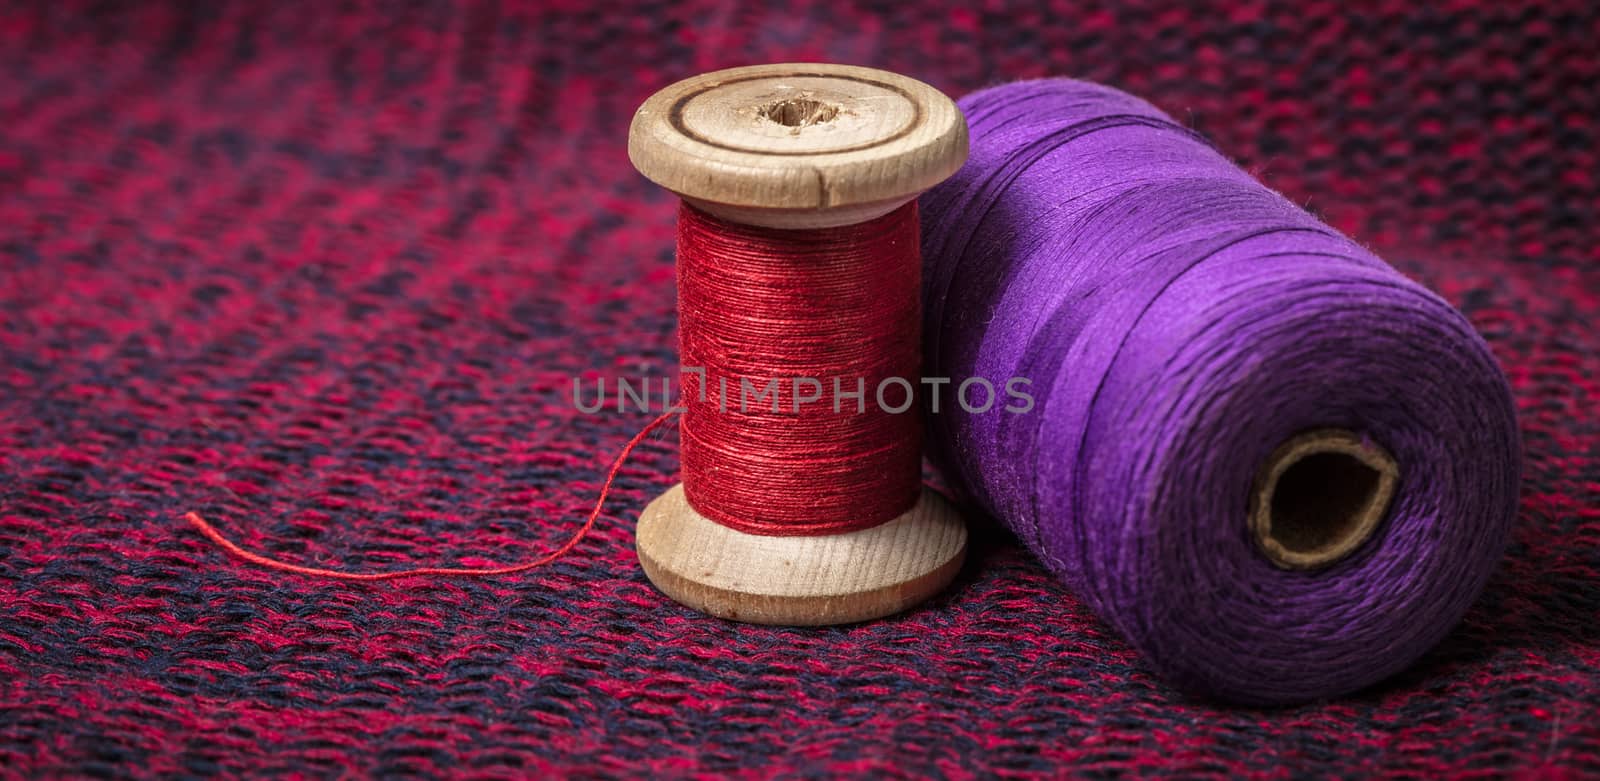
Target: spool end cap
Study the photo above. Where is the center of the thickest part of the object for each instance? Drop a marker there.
(809, 137)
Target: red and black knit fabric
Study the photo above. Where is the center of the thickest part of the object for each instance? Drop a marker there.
(323, 272)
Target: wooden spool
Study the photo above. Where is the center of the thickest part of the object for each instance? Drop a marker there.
(799, 146)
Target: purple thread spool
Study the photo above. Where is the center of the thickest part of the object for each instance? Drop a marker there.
(1278, 467)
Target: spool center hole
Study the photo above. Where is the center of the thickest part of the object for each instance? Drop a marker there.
(799, 112)
(1321, 501)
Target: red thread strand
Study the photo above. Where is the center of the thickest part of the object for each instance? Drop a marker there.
(228, 545)
(761, 304)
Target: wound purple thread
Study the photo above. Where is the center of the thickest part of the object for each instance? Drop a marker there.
(1179, 321)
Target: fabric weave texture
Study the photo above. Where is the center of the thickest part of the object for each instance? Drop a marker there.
(323, 273)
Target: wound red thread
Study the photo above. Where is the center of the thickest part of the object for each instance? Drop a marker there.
(835, 304)
(215, 536)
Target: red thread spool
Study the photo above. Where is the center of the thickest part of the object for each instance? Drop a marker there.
(798, 263)
(835, 305)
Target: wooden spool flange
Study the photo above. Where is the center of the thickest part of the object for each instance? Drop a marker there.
(799, 146)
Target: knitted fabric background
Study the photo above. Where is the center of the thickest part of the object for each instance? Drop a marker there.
(322, 272)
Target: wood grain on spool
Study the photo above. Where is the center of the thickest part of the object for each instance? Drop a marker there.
(799, 146)
(799, 580)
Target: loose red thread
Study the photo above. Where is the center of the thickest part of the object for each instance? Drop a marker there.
(837, 306)
(215, 536)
